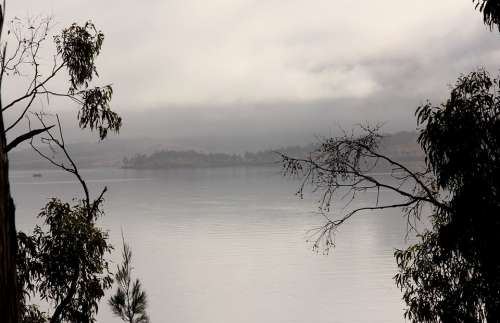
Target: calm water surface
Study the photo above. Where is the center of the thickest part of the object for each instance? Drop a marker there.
(229, 245)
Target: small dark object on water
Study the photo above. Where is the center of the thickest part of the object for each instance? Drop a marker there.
(37, 175)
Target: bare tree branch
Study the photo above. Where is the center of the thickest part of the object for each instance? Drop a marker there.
(26, 136)
(342, 167)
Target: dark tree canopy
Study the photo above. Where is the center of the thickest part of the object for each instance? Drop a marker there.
(79, 46)
(63, 263)
(454, 272)
(491, 12)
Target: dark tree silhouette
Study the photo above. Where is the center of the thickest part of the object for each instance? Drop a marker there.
(85, 277)
(491, 12)
(453, 273)
(8, 288)
(129, 301)
(64, 264)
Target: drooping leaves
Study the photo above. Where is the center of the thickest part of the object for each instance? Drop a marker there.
(79, 46)
(491, 12)
(466, 125)
(453, 273)
(96, 112)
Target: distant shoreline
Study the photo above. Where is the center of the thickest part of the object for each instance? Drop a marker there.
(127, 155)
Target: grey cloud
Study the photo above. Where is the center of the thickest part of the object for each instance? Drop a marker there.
(243, 71)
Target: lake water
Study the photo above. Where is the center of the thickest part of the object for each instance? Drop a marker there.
(229, 245)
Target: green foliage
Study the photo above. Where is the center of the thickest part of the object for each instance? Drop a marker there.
(129, 301)
(467, 125)
(96, 113)
(439, 285)
(63, 262)
(490, 10)
(78, 47)
(453, 273)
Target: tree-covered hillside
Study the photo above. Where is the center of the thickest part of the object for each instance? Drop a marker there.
(401, 146)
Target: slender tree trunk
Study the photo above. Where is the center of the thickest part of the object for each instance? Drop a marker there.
(8, 242)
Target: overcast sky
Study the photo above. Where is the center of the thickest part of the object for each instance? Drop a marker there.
(276, 68)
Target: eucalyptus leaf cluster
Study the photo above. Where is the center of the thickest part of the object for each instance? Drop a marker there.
(78, 48)
(453, 273)
(491, 12)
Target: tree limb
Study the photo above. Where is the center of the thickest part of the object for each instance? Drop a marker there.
(26, 136)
